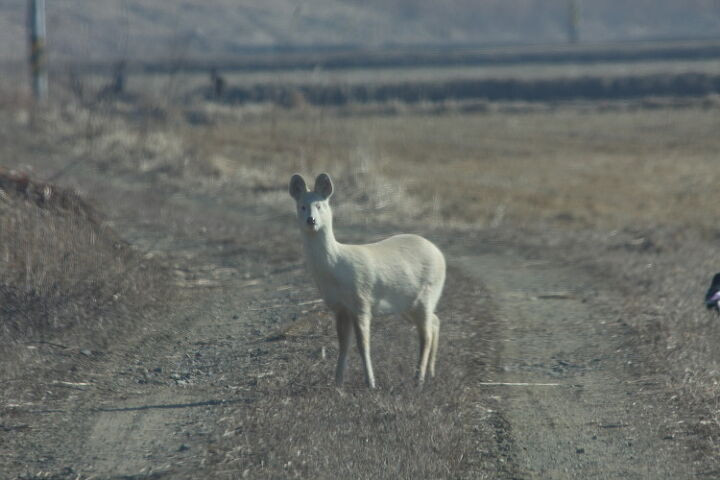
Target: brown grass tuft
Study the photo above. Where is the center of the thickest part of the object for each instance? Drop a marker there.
(62, 270)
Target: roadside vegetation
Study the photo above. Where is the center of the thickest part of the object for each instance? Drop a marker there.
(67, 280)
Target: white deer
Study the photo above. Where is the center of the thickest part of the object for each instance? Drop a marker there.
(403, 274)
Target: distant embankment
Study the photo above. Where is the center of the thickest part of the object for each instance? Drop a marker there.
(349, 57)
(680, 85)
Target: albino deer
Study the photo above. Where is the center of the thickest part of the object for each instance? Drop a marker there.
(403, 274)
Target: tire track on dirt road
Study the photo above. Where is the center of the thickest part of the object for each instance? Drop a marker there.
(583, 414)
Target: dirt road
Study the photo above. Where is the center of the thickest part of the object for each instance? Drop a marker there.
(574, 405)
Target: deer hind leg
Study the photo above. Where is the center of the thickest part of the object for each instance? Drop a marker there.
(362, 335)
(434, 346)
(424, 323)
(343, 324)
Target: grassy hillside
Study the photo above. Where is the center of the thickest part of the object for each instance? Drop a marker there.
(153, 28)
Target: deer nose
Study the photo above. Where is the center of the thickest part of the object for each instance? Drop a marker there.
(310, 221)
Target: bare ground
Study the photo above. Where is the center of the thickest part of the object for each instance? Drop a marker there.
(549, 366)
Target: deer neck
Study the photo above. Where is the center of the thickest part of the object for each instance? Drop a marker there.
(321, 248)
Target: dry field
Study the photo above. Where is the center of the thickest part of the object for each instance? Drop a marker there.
(621, 194)
(581, 165)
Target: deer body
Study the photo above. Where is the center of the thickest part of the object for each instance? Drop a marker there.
(403, 274)
(391, 276)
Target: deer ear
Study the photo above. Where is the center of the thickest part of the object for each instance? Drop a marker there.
(323, 185)
(297, 186)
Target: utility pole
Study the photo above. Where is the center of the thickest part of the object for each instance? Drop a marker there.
(36, 38)
(573, 21)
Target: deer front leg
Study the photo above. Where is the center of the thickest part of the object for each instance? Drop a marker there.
(343, 324)
(362, 334)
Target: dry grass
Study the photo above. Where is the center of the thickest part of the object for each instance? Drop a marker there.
(62, 271)
(573, 166)
(292, 422)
